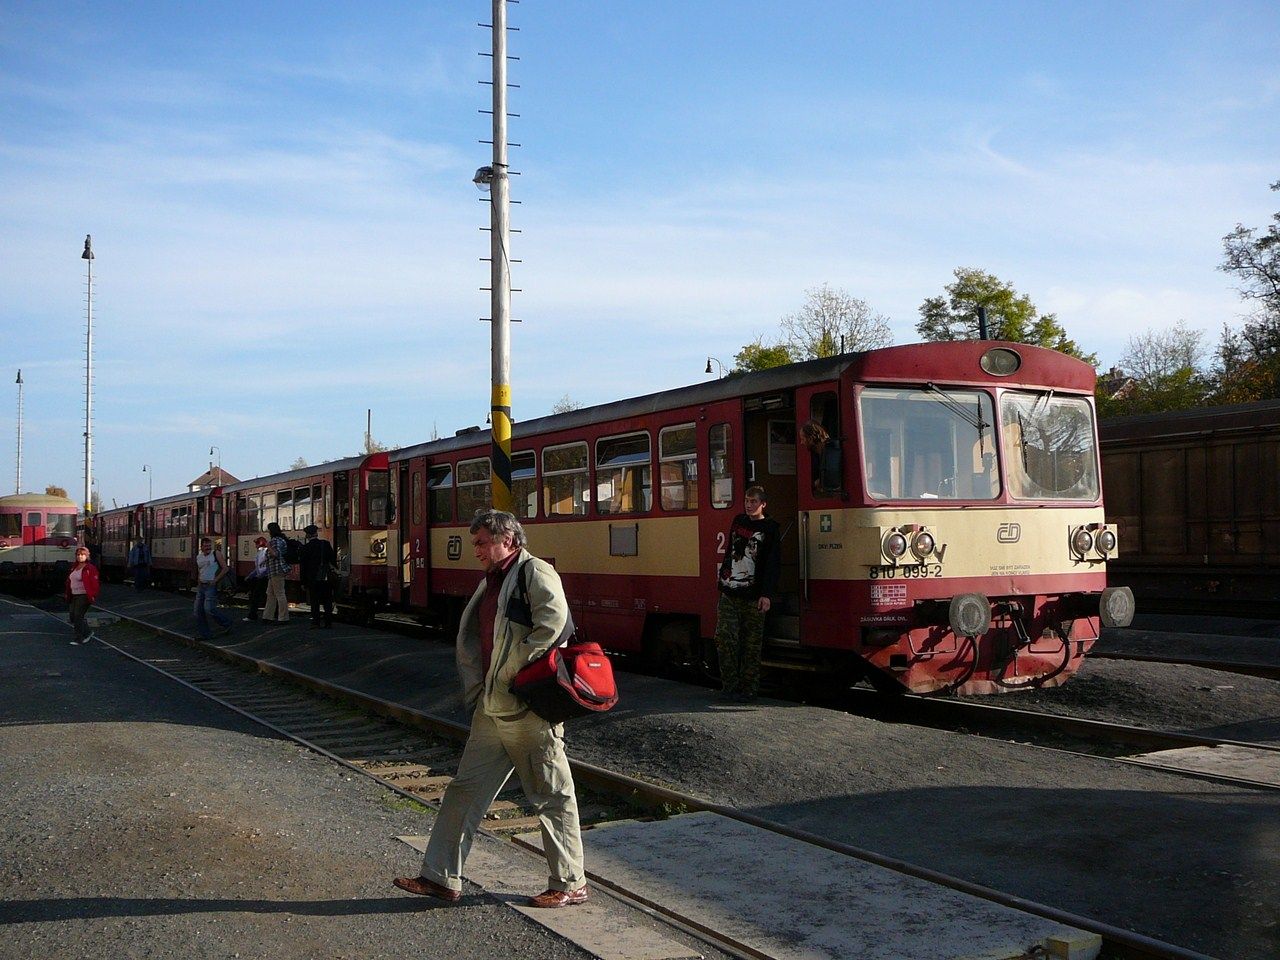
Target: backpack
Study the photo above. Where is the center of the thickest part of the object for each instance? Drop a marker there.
(292, 551)
(572, 679)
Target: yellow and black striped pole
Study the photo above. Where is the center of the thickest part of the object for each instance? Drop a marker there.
(500, 273)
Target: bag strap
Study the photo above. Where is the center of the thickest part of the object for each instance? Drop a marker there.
(570, 629)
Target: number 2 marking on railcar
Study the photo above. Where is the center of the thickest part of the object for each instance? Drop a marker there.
(720, 541)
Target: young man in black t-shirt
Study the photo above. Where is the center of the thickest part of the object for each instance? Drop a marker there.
(748, 579)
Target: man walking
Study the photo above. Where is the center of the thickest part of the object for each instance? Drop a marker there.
(316, 565)
(209, 570)
(494, 643)
(748, 578)
(140, 564)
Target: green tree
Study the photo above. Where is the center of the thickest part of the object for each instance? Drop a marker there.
(1166, 367)
(757, 356)
(1248, 359)
(1010, 315)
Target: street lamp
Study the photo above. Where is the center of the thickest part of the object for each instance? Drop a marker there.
(146, 468)
(219, 449)
(717, 363)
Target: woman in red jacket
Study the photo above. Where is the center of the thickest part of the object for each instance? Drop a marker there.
(82, 591)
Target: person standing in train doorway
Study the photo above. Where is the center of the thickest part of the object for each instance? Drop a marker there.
(748, 579)
(315, 568)
(257, 580)
(140, 564)
(504, 629)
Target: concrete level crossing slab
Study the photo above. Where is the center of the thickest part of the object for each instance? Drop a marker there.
(1225, 760)
(790, 900)
(601, 932)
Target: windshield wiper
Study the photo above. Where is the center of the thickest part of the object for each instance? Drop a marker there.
(955, 406)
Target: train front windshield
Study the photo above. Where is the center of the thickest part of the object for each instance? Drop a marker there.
(935, 443)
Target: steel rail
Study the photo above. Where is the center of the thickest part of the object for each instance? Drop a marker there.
(1119, 941)
(1266, 671)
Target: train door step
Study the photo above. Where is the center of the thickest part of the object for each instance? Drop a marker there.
(1250, 764)
(786, 899)
(512, 876)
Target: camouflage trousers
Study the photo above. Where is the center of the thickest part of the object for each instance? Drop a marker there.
(739, 635)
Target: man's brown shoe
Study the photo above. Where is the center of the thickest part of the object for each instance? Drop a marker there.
(559, 898)
(428, 888)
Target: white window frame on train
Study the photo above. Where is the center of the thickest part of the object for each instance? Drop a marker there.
(473, 483)
(565, 480)
(1049, 448)
(440, 493)
(678, 466)
(928, 444)
(524, 484)
(624, 474)
(720, 446)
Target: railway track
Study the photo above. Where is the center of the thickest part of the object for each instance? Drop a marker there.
(1266, 671)
(412, 754)
(1103, 740)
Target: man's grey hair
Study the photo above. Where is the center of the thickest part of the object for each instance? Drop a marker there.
(500, 524)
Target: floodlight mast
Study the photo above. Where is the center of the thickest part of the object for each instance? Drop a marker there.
(88, 380)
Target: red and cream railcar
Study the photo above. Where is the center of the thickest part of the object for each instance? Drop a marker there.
(348, 502)
(173, 527)
(117, 531)
(951, 537)
(37, 538)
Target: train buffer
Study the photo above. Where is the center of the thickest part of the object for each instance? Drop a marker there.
(774, 896)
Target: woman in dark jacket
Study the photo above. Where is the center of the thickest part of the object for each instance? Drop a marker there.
(82, 591)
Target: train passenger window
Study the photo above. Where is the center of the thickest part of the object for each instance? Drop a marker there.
(268, 512)
(378, 485)
(326, 519)
(928, 444)
(623, 474)
(33, 519)
(284, 509)
(62, 525)
(473, 487)
(1048, 446)
(302, 508)
(416, 495)
(524, 484)
(440, 493)
(564, 480)
(721, 466)
(317, 506)
(678, 467)
(10, 524)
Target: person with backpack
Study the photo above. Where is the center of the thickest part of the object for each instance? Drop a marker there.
(498, 636)
(278, 568)
(140, 564)
(317, 564)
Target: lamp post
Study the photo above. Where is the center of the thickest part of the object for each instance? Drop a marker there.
(710, 360)
(18, 483)
(219, 476)
(146, 468)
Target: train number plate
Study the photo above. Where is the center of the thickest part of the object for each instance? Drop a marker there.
(907, 571)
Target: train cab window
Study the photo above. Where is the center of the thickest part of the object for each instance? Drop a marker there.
(678, 467)
(62, 525)
(10, 524)
(34, 519)
(820, 436)
(377, 484)
(721, 468)
(565, 492)
(473, 487)
(524, 484)
(440, 493)
(624, 474)
(1049, 451)
(928, 444)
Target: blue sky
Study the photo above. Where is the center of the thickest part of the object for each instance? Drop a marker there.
(287, 235)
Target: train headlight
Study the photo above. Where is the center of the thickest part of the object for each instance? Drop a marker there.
(922, 544)
(1081, 542)
(1106, 542)
(894, 545)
